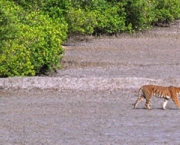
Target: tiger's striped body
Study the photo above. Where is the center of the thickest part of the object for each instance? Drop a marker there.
(147, 91)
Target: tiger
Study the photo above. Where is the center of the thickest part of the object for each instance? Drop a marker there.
(147, 91)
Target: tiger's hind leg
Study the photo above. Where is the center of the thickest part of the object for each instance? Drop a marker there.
(148, 99)
(176, 101)
(147, 104)
(141, 98)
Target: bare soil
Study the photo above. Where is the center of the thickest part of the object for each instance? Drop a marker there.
(95, 104)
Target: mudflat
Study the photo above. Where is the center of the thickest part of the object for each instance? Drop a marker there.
(103, 76)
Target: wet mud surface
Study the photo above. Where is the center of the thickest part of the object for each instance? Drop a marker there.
(99, 113)
(85, 117)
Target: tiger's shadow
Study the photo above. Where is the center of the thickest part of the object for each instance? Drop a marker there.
(156, 108)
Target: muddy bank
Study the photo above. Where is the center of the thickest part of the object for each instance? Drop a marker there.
(86, 117)
(98, 83)
(153, 54)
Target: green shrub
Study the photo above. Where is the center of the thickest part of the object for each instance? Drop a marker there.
(30, 5)
(110, 18)
(14, 57)
(30, 41)
(15, 61)
(57, 8)
(97, 16)
(43, 37)
(139, 14)
(81, 21)
(174, 8)
(167, 10)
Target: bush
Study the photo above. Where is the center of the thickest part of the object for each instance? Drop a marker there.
(14, 57)
(95, 17)
(30, 5)
(167, 10)
(110, 17)
(30, 41)
(81, 21)
(43, 37)
(57, 8)
(139, 14)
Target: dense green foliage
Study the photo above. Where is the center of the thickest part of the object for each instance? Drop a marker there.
(30, 41)
(167, 10)
(32, 31)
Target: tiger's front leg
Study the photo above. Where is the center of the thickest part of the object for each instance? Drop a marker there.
(165, 103)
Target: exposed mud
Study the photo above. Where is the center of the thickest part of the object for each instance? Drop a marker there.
(85, 117)
(90, 101)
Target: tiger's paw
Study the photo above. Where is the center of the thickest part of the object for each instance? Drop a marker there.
(164, 108)
(149, 108)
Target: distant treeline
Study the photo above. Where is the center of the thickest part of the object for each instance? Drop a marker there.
(32, 31)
